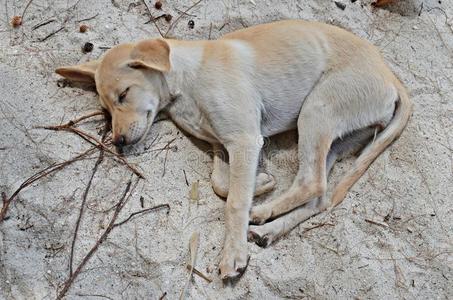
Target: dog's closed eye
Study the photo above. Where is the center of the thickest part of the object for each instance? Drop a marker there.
(122, 96)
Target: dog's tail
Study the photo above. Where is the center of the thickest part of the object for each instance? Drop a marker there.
(371, 152)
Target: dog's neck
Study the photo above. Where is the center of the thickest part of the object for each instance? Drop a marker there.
(185, 60)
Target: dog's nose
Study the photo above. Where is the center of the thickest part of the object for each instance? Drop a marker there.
(119, 141)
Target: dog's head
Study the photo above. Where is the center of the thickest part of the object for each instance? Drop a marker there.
(130, 82)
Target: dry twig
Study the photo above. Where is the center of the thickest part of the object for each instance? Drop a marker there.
(146, 210)
(195, 271)
(179, 17)
(82, 206)
(42, 24)
(152, 18)
(377, 223)
(51, 34)
(69, 127)
(35, 177)
(193, 249)
(25, 9)
(87, 19)
(119, 206)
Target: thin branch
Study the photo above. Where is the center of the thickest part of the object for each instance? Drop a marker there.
(42, 24)
(167, 146)
(146, 210)
(26, 7)
(179, 17)
(184, 13)
(87, 19)
(152, 18)
(377, 223)
(119, 206)
(195, 271)
(82, 208)
(92, 140)
(51, 34)
(35, 177)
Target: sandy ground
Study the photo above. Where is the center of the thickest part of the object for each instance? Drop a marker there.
(390, 238)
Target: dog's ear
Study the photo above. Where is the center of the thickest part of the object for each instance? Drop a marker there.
(84, 72)
(151, 54)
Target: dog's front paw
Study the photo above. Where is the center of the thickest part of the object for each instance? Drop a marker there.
(260, 214)
(234, 262)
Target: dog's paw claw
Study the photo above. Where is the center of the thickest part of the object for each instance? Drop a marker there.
(233, 265)
(261, 240)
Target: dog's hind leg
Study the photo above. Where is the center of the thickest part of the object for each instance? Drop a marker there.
(220, 177)
(311, 181)
(264, 235)
(334, 108)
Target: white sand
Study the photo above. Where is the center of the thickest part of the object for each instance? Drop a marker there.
(411, 183)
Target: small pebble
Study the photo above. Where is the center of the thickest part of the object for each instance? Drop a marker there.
(191, 24)
(16, 21)
(88, 47)
(158, 5)
(340, 5)
(83, 28)
(168, 18)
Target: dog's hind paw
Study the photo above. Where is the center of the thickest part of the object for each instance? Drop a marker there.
(264, 183)
(259, 236)
(260, 214)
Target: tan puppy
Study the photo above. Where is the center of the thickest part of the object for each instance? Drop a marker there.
(329, 84)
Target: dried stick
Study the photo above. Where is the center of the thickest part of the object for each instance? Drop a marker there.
(51, 34)
(195, 271)
(87, 19)
(142, 212)
(42, 24)
(152, 18)
(167, 146)
(377, 223)
(119, 207)
(179, 17)
(193, 251)
(50, 169)
(69, 127)
(82, 207)
(26, 7)
(91, 139)
(80, 119)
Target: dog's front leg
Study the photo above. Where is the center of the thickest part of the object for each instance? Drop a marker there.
(243, 153)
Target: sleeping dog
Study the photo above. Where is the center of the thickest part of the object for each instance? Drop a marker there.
(331, 85)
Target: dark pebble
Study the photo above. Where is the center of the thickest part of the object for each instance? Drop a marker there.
(158, 5)
(340, 5)
(88, 47)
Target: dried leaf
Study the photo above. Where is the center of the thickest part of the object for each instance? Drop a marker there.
(194, 193)
(193, 249)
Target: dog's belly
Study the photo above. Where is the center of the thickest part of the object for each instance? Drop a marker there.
(276, 119)
(283, 99)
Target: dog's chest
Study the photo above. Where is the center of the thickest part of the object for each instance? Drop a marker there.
(186, 114)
